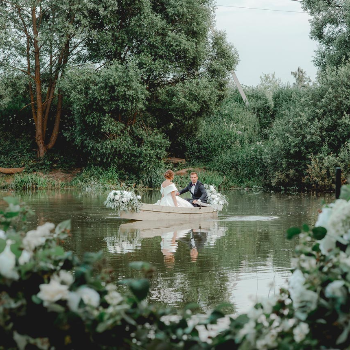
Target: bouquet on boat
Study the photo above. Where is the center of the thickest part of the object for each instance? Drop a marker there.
(123, 201)
(215, 198)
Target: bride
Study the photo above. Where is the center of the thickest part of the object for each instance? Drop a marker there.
(168, 191)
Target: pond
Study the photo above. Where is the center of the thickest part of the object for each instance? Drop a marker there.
(240, 256)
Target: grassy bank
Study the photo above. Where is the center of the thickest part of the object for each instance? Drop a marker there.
(99, 179)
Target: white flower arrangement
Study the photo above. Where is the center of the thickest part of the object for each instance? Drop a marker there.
(123, 201)
(215, 199)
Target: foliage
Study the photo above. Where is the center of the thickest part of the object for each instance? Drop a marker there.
(99, 126)
(33, 181)
(232, 126)
(37, 41)
(15, 152)
(96, 178)
(330, 27)
(184, 62)
(301, 78)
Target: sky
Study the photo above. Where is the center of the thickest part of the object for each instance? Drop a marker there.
(267, 41)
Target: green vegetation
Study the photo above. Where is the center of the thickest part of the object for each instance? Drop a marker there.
(129, 94)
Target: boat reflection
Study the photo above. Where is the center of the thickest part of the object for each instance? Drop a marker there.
(195, 236)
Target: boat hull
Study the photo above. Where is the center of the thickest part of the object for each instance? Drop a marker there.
(158, 212)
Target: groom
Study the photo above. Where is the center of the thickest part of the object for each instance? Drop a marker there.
(197, 190)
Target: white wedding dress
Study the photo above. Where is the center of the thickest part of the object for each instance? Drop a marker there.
(167, 199)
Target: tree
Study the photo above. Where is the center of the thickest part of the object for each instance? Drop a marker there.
(38, 39)
(182, 62)
(301, 78)
(330, 21)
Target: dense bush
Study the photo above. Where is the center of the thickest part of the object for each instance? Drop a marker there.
(103, 125)
(289, 136)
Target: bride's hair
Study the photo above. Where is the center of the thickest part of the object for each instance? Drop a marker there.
(169, 174)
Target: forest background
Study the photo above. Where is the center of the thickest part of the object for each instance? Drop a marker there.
(114, 88)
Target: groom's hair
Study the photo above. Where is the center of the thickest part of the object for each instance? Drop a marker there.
(194, 173)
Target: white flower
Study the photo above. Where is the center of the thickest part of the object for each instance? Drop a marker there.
(8, 262)
(25, 257)
(339, 219)
(111, 287)
(73, 301)
(248, 331)
(302, 298)
(113, 298)
(335, 289)
(138, 197)
(296, 279)
(37, 237)
(52, 292)
(327, 244)
(2, 234)
(89, 296)
(323, 217)
(64, 277)
(300, 331)
(20, 339)
(254, 313)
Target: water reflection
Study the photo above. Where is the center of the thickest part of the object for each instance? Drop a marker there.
(241, 255)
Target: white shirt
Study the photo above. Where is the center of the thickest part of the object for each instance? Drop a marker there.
(192, 188)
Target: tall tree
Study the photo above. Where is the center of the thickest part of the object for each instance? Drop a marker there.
(330, 26)
(184, 62)
(37, 39)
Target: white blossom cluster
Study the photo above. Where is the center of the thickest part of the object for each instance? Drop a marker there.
(31, 241)
(266, 328)
(335, 217)
(215, 199)
(123, 201)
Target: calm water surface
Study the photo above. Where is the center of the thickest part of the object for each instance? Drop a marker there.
(240, 256)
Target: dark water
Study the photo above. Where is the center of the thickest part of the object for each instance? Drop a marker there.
(241, 255)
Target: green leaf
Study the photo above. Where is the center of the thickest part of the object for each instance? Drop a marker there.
(293, 231)
(11, 200)
(15, 250)
(56, 308)
(11, 214)
(36, 299)
(316, 247)
(91, 258)
(242, 319)
(140, 288)
(343, 336)
(345, 192)
(63, 226)
(319, 232)
(58, 251)
(140, 265)
(214, 316)
(306, 228)
(2, 245)
(191, 306)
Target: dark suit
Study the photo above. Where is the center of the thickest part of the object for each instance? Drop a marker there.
(199, 192)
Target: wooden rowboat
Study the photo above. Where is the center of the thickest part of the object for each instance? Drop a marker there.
(162, 213)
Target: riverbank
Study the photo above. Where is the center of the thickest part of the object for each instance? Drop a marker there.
(104, 179)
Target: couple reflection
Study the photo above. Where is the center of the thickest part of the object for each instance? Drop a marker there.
(194, 239)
